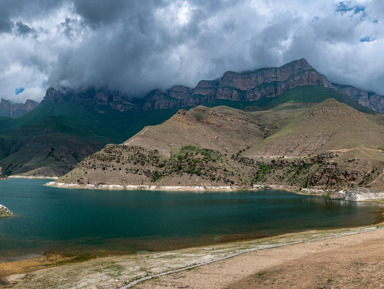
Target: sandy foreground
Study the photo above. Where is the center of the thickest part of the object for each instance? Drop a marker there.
(345, 258)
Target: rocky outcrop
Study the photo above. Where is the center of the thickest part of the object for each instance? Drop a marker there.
(368, 99)
(268, 82)
(171, 99)
(10, 109)
(5, 212)
(331, 176)
(245, 86)
(98, 99)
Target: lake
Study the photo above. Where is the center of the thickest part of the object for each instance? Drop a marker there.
(107, 222)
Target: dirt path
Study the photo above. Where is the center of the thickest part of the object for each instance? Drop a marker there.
(347, 262)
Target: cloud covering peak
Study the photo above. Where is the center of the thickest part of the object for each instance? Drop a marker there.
(136, 46)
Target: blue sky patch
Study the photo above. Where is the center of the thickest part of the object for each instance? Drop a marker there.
(19, 90)
(343, 7)
(367, 39)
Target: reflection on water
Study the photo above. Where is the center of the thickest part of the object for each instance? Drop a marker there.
(129, 221)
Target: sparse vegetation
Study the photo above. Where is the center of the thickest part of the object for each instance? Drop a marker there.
(244, 159)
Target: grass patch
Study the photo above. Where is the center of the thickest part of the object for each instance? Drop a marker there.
(302, 94)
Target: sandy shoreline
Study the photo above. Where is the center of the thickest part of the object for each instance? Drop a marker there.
(351, 261)
(120, 271)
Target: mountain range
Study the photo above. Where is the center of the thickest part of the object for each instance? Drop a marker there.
(10, 109)
(249, 86)
(71, 124)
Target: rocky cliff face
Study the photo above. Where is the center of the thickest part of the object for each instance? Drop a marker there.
(10, 109)
(97, 99)
(268, 82)
(244, 86)
(368, 99)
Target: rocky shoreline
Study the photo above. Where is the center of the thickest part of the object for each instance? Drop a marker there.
(5, 212)
(354, 194)
(150, 187)
(33, 177)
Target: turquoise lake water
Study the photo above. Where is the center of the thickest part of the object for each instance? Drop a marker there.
(53, 219)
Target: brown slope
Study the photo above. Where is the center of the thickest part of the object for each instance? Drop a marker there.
(221, 128)
(196, 147)
(329, 146)
(326, 146)
(329, 126)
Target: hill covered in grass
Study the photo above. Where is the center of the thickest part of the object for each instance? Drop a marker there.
(329, 145)
(302, 94)
(53, 138)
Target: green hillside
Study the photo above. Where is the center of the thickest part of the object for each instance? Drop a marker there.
(302, 94)
(54, 137)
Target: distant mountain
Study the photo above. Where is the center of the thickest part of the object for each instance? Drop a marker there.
(53, 138)
(328, 146)
(71, 124)
(245, 87)
(10, 109)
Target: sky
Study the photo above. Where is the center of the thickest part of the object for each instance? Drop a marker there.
(136, 46)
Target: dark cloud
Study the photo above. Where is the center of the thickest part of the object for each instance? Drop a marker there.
(137, 47)
(97, 13)
(10, 9)
(23, 28)
(5, 25)
(140, 45)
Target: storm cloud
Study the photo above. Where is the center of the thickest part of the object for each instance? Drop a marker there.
(136, 46)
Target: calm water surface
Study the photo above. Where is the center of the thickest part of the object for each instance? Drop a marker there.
(130, 221)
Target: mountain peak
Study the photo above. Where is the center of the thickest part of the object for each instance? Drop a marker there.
(11, 109)
(301, 64)
(333, 105)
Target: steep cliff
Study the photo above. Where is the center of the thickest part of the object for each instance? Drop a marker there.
(244, 86)
(368, 99)
(96, 99)
(10, 109)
